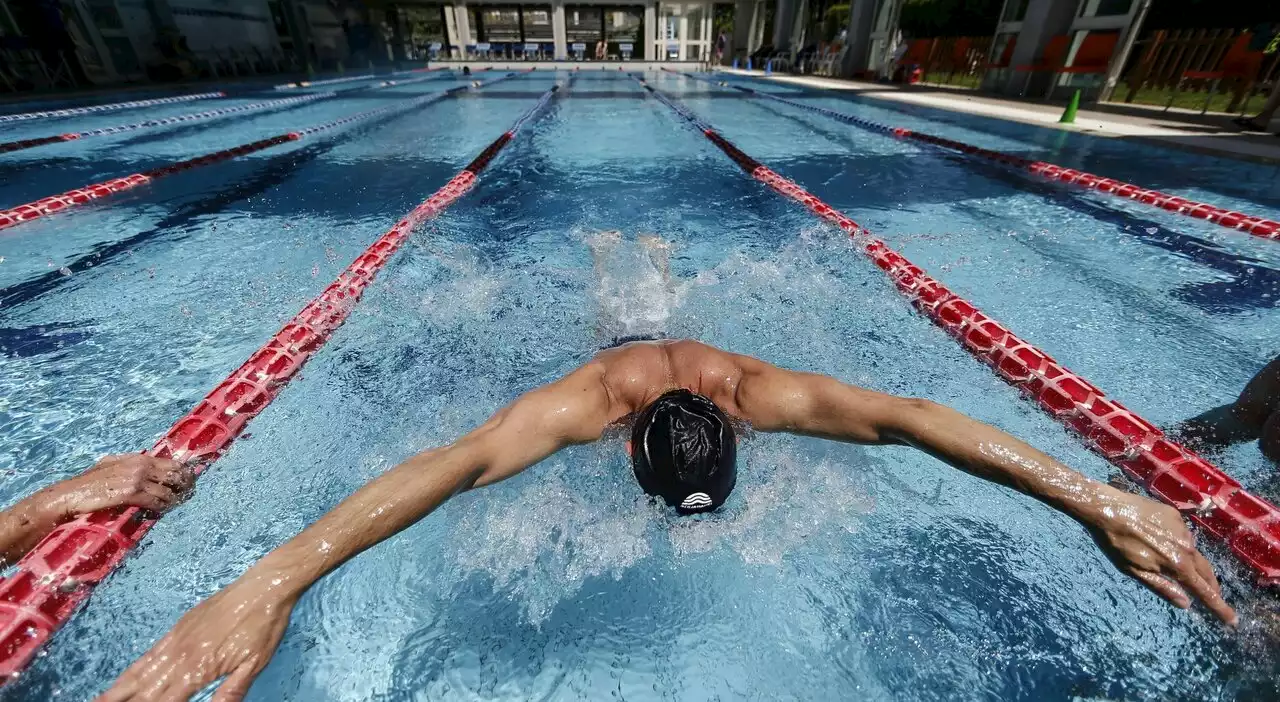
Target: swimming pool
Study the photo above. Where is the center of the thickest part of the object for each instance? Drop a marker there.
(835, 572)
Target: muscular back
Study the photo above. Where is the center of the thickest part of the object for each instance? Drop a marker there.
(636, 374)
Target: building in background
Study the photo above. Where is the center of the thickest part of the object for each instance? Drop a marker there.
(131, 40)
(675, 31)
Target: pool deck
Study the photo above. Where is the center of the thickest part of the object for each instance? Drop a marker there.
(1212, 133)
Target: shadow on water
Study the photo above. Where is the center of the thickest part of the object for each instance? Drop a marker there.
(178, 131)
(74, 173)
(1252, 285)
(25, 342)
(277, 170)
(274, 171)
(54, 162)
(1110, 157)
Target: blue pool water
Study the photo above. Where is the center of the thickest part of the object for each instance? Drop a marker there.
(835, 572)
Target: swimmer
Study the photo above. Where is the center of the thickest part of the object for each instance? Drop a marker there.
(134, 479)
(466, 70)
(1255, 415)
(684, 405)
(475, 84)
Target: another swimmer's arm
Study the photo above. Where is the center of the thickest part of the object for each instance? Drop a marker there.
(1215, 428)
(1242, 420)
(1145, 539)
(131, 479)
(234, 633)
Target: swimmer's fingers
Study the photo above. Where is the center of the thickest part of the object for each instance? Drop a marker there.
(147, 679)
(178, 477)
(1163, 587)
(236, 686)
(1206, 571)
(153, 496)
(1206, 590)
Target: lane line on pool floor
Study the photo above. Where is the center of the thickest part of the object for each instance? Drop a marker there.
(1260, 227)
(96, 191)
(11, 146)
(61, 571)
(1249, 525)
(72, 111)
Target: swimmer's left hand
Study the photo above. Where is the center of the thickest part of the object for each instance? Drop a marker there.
(230, 636)
(1149, 542)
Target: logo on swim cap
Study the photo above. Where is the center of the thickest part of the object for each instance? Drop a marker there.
(698, 500)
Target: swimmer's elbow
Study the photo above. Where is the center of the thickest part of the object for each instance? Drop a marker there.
(908, 419)
(458, 467)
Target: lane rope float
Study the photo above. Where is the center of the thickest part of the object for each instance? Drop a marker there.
(88, 193)
(1246, 523)
(72, 111)
(197, 116)
(1250, 224)
(193, 117)
(348, 79)
(61, 571)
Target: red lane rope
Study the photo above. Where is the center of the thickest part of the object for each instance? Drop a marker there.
(108, 108)
(61, 570)
(56, 203)
(1249, 525)
(1257, 226)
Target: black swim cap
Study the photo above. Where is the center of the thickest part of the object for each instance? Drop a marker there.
(683, 449)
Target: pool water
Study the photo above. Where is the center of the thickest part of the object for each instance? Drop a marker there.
(834, 572)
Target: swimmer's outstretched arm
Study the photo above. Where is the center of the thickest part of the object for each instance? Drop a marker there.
(1143, 538)
(234, 633)
(131, 479)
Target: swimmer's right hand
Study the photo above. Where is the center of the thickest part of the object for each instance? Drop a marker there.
(1149, 542)
(131, 479)
(231, 635)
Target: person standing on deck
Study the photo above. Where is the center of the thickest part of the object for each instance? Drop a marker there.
(1262, 120)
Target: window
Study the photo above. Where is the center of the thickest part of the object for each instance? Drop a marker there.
(537, 23)
(623, 25)
(696, 13)
(583, 24)
(500, 24)
(424, 26)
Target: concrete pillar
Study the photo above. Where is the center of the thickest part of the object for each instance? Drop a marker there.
(651, 32)
(451, 34)
(299, 32)
(798, 25)
(757, 30)
(784, 19)
(462, 26)
(395, 18)
(1044, 20)
(558, 33)
(744, 18)
(862, 17)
